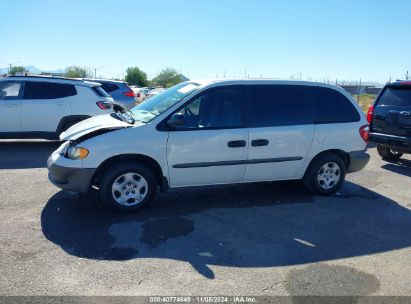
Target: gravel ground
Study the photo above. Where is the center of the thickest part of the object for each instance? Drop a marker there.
(251, 239)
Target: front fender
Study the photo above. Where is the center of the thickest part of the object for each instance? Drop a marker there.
(144, 140)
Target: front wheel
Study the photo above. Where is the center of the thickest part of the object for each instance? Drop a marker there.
(325, 174)
(127, 186)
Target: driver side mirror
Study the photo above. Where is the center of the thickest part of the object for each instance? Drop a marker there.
(176, 121)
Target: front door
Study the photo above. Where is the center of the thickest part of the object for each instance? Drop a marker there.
(10, 103)
(211, 147)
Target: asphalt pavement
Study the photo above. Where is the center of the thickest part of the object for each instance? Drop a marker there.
(248, 239)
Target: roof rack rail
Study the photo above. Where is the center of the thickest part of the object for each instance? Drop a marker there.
(46, 77)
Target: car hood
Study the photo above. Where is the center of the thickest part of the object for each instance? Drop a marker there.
(92, 125)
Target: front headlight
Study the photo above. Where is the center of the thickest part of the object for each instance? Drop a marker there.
(76, 153)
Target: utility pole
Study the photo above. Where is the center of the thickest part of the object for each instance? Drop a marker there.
(122, 70)
(406, 76)
(359, 90)
(10, 65)
(95, 70)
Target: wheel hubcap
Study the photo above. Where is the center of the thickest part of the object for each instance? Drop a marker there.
(129, 189)
(329, 175)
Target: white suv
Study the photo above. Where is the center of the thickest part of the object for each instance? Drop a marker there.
(220, 132)
(43, 107)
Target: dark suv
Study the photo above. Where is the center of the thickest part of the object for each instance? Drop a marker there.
(390, 120)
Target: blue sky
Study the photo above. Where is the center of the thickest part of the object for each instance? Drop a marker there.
(342, 39)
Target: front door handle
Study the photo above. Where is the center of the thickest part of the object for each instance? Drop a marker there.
(259, 142)
(236, 144)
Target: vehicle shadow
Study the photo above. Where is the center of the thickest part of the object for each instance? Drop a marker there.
(26, 154)
(401, 166)
(249, 225)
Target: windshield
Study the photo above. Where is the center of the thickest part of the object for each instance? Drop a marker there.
(161, 102)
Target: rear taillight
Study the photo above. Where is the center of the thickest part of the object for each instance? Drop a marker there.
(138, 95)
(370, 113)
(129, 94)
(365, 132)
(104, 105)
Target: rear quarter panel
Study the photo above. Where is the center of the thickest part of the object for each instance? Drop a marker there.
(337, 136)
(84, 103)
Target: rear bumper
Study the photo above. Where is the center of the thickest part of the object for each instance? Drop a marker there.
(398, 143)
(358, 160)
(72, 179)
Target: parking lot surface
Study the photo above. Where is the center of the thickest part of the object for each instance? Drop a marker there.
(250, 239)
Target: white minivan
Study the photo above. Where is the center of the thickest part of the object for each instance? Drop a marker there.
(219, 132)
(43, 107)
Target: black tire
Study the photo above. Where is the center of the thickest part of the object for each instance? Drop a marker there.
(310, 179)
(111, 175)
(387, 153)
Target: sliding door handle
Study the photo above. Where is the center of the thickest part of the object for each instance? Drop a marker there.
(259, 142)
(236, 144)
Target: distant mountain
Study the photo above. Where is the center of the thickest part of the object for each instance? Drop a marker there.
(33, 69)
(56, 71)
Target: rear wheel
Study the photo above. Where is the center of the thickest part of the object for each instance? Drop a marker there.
(325, 174)
(127, 186)
(387, 153)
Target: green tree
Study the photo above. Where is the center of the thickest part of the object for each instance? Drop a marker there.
(135, 76)
(17, 69)
(167, 78)
(77, 72)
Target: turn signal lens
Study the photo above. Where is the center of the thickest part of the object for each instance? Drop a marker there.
(77, 153)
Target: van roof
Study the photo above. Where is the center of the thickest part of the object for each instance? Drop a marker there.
(204, 82)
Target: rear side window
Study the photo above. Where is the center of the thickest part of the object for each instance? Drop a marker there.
(278, 105)
(395, 96)
(48, 90)
(100, 91)
(109, 87)
(330, 106)
(9, 90)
